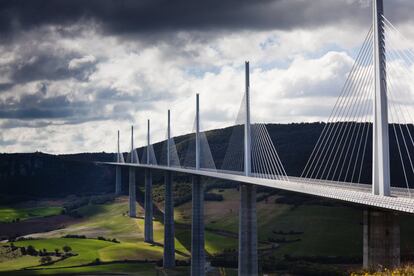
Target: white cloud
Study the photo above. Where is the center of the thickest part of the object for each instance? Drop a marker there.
(77, 63)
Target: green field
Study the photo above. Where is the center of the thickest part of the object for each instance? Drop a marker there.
(315, 231)
(8, 214)
(124, 268)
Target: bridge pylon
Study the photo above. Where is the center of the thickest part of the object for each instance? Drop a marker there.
(247, 213)
(169, 247)
(197, 223)
(132, 188)
(381, 231)
(118, 171)
(380, 143)
(148, 231)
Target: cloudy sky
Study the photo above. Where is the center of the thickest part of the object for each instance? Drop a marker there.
(74, 72)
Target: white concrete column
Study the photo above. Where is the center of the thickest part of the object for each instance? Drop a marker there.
(118, 171)
(197, 228)
(381, 239)
(148, 207)
(247, 213)
(169, 246)
(380, 151)
(132, 187)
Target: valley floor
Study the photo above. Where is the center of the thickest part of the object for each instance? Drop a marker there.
(291, 236)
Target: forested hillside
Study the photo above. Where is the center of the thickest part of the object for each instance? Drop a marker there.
(43, 175)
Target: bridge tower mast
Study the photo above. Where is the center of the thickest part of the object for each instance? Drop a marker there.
(169, 248)
(197, 137)
(118, 171)
(132, 190)
(247, 214)
(381, 231)
(197, 223)
(247, 135)
(148, 231)
(380, 143)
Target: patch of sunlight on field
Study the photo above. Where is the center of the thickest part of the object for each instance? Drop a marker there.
(19, 263)
(215, 244)
(157, 227)
(131, 251)
(109, 221)
(87, 249)
(8, 214)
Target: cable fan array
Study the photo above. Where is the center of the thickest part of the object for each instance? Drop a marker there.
(400, 65)
(343, 152)
(148, 156)
(205, 157)
(119, 157)
(168, 146)
(265, 161)
(340, 153)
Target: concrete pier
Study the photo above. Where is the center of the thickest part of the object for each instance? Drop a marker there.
(381, 239)
(247, 231)
(169, 248)
(197, 228)
(118, 180)
(148, 232)
(132, 194)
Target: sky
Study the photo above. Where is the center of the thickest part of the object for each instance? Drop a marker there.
(74, 72)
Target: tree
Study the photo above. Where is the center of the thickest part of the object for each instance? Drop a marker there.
(23, 250)
(45, 260)
(57, 251)
(66, 248)
(31, 250)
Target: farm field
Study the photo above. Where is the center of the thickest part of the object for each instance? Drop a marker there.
(104, 238)
(8, 214)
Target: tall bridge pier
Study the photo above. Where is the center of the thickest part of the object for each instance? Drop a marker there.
(148, 231)
(247, 212)
(197, 228)
(381, 239)
(197, 219)
(169, 247)
(132, 188)
(247, 231)
(118, 171)
(381, 236)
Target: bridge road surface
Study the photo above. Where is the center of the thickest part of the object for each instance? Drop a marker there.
(360, 194)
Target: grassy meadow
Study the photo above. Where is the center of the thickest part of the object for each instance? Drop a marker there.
(294, 230)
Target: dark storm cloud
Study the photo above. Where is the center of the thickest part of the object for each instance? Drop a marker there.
(5, 86)
(126, 16)
(35, 107)
(49, 67)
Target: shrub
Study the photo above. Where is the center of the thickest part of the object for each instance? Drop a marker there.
(23, 250)
(73, 236)
(31, 250)
(66, 248)
(45, 260)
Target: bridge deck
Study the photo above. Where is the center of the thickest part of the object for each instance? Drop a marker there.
(348, 192)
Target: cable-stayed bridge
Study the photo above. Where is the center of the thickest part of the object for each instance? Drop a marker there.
(351, 160)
